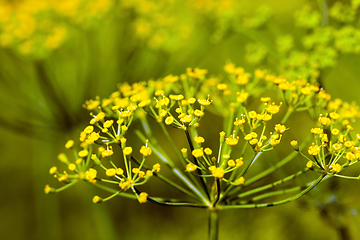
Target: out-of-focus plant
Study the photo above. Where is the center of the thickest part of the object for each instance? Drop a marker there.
(240, 171)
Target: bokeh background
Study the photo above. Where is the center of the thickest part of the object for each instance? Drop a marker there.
(54, 55)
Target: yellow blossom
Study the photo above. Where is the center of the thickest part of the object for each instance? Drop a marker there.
(324, 120)
(334, 115)
(335, 131)
(169, 120)
(83, 153)
(191, 167)
(242, 97)
(143, 197)
(231, 163)
(108, 123)
(196, 73)
(176, 97)
(221, 86)
(107, 153)
(91, 175)
(72, 167)
(218, 172)
(239, 162)
(252, 114)
(314, 149)
(110, 172)
(156, 167)
(208, 151)
(240, 180)
(198, 113)
(69, 144)
(350, 156)
(309, 164)
(53, 170)
(336, 167)
(232, 141)
(127, 150)
(146, 151)
(198, 152)
(280, 128)
(199, 139)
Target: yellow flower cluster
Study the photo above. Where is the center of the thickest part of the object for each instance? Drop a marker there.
(38, 26)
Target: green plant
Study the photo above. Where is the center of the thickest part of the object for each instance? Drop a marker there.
(240, 169)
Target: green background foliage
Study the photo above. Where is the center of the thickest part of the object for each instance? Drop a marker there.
(42, 93)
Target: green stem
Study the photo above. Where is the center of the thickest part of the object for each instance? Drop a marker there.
(277, 165)
(213, 223)
(202, 180)
(289, 111)
(274, 184)
(290, 199)
(165, 159)
(166, 180)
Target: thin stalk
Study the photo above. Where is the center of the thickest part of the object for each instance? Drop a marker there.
(176, 171)
(202, 180)
(272, 194)
(278, 165)
(274, 184)
(290, 199)
(166, 180)
(225, 193)
(213, 224)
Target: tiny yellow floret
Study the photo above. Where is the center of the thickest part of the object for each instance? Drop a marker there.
(127, 150)
(190, 167)
(314, 149)
(156, 167)
(69, 144)
(83, 153)
(143, 197)
(198, 152)
(110, 172)
(145, 151)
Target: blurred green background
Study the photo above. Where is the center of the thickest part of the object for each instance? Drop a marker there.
(55, 55)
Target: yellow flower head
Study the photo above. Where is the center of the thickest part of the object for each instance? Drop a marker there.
(273, 108)
(196, 73)
(146, 151)
(231, 163)
(176, 97)
(221, 86)
(198, 152)
(336, 167)
(69, 144)
(156, 167)
(110, 172)
(83, 153)
(314, 149)
(232, 141)
(143, 197)
(208, 151)
(91, 175)
(199, 139)
(324, 120)
(107, 153)
(218, 172)
(127, 150)
(242, 97)
(191, 167)
(280, 128)
(252, 114)
(309, 164)
(198, 113)
(169, 120)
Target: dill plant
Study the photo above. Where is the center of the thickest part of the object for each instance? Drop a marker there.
(237, 170)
